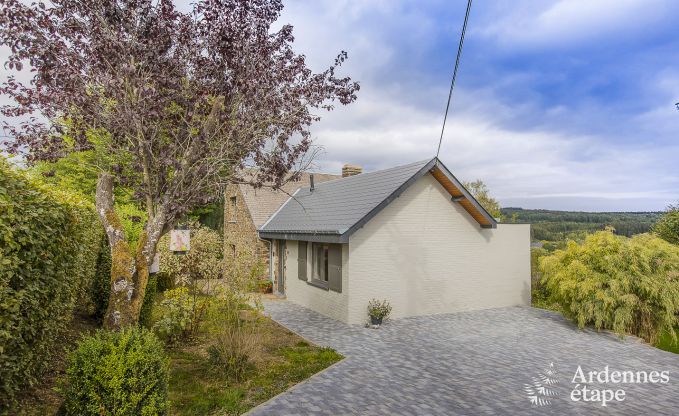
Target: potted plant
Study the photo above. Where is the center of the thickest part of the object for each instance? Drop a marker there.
(265, 286)
(378, 310)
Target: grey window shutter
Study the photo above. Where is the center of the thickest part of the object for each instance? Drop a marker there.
(335, 267)
(301, 260)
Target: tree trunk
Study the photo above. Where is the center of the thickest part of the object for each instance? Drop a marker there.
(129, 270)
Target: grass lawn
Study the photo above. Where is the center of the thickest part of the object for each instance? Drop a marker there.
(287, 359)
(665, 343)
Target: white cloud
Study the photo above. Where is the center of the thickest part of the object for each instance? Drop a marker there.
(397, 121)
(397, 118)
(522, 167)
(566, 22)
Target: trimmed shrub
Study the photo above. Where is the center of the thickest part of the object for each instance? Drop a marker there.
(49, 244)
(118, 373)
(628, 285)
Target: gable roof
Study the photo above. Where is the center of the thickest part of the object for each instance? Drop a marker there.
(262, 203)
(337, 208)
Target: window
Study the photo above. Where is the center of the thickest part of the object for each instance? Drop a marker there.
(233, 250)
(301, 260)
(327, 266)
(321, 262)
(232, 209)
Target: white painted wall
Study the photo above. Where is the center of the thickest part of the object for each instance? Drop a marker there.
(426, 255)
(326, 302)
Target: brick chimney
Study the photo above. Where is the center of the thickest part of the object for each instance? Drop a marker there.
(351, 170)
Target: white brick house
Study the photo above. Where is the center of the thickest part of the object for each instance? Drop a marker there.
(410, 234)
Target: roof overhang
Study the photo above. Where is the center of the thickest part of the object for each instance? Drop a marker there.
(313, 237)
(460, 195)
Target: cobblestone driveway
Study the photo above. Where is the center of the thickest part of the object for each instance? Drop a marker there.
(467, 363)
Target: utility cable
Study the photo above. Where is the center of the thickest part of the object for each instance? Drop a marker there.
(457, 64)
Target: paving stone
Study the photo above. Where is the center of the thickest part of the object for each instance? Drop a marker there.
(470, 363)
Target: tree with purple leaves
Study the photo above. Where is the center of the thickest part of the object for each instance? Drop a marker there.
(169, 104)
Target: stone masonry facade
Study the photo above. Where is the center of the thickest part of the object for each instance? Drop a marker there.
(242, 247)
(246, 209)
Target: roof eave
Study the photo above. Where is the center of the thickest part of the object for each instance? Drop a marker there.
(303, 236)
(491, 223)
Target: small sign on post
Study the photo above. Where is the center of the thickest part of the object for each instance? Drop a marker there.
(180, 241)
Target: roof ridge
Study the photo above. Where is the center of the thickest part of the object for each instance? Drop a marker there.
(363, 175)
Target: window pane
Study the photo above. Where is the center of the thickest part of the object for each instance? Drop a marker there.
(320, 261)
(325, 263)
(317, 261)
(302, 260)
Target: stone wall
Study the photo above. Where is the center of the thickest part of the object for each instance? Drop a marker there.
(243, 250)
(240, 223)
(275, 259)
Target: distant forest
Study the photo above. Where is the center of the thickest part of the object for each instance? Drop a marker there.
(549, 225)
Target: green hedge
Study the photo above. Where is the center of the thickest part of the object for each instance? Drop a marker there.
(49, 246)
(118, 373)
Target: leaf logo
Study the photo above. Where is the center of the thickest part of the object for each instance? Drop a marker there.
(540, 391)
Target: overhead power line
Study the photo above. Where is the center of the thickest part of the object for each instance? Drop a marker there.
(457, 64)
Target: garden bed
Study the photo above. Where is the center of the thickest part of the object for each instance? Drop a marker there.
(196, 388)
(286, 359)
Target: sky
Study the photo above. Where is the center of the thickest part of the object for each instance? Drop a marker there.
(558, 104)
